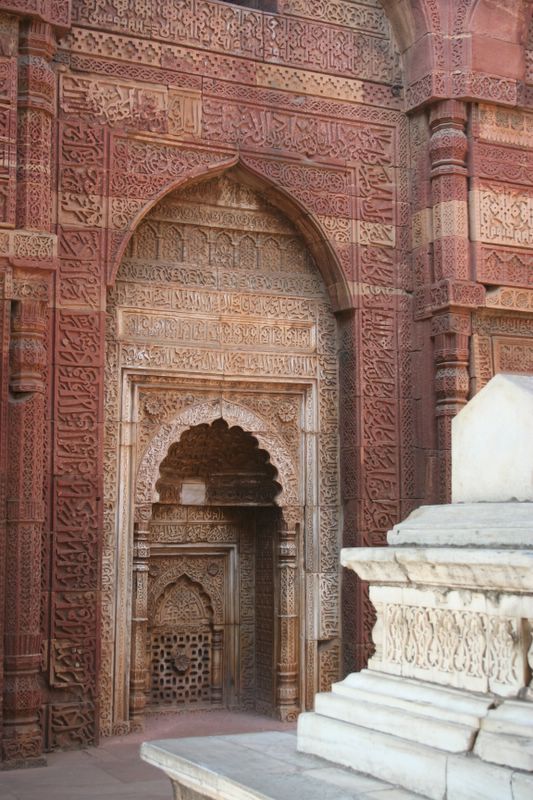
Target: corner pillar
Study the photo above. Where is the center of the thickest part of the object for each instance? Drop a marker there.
(287, 679)
(452, 294)
(22, 741)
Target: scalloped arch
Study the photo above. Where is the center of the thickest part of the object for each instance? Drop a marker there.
(208, 412)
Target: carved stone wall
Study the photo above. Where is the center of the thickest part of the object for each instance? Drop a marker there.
(502, 333)
(418, 226)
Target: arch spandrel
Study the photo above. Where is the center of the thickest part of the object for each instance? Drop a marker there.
(315, 235)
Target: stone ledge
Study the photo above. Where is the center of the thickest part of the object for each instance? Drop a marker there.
(259, 766)
(484, 569)
(427, 771)
(419, 712)
(466, 525)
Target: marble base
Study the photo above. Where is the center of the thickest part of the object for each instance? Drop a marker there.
(413, 766)
(421, 736)
(506, 735)
(413, 710)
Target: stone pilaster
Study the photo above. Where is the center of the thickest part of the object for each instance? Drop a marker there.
(22, 737)
(139, 622)
(451, 293)
(217, 680)
(36, 97)
(287, 691)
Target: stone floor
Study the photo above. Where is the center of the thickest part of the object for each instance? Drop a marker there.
(115, 770)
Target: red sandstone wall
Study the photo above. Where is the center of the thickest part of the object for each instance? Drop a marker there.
(421, 227)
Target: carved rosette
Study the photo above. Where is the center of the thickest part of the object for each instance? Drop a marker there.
(22, 737)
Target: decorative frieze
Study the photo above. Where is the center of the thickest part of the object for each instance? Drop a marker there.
(247, 333)
(126, 104)
(423, 641)
(243, 32)
(504, 126)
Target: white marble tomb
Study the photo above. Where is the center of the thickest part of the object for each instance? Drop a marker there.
(445, 707)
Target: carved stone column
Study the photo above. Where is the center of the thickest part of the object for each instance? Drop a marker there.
(139, 622)
(22, 737)
(287, 689)
(217, 679)
(452, 293)
(36, 95)
(451, 335)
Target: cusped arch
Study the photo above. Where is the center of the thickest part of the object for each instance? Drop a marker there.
(170, 577)
(206, 413)
(310, 228)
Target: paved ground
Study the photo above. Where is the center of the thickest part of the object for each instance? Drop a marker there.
(114, 769)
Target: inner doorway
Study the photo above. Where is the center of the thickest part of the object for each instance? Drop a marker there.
(212, 627)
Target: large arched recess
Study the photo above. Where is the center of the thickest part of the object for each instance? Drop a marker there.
(323, 253)
(498, 31)
(410, 21)
(417, 28)
(312, 232)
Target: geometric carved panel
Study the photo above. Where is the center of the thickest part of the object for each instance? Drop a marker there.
(181, 643)
(181, 666)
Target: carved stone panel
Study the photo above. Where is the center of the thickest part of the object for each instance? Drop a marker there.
(180, 649)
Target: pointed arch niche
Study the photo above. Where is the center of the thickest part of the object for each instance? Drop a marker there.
(220, 337)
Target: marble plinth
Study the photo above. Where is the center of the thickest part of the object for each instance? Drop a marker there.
(444, 708)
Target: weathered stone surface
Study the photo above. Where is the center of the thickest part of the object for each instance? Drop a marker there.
(260, 766)
(491, 452)
(466, 525)
(392, 144)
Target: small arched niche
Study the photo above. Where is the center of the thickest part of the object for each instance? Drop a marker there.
(217, 465)
(212, 632)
